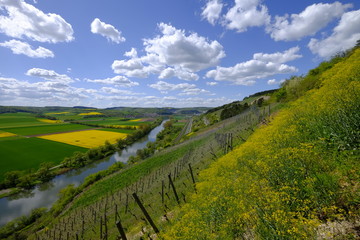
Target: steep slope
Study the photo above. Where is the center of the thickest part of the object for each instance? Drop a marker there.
(293, 176)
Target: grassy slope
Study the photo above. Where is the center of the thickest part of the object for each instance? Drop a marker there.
(291, 176)
(28, 153)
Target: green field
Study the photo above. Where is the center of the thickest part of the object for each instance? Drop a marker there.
(127, 131)
(49, 128)
(28, 153)
(110, 121)
(11, 120)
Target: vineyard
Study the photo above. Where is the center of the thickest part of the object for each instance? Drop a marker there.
(140, 200)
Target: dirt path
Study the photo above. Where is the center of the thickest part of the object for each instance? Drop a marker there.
(45, 134)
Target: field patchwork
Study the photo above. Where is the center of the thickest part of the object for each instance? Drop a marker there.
(86, 139)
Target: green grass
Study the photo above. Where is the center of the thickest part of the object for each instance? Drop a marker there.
(52, 128)
(28, 153)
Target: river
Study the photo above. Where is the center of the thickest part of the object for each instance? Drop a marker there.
(46, 194)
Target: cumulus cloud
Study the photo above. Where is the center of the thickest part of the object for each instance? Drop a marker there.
(18, 92)
(344, 36)
(274, 81)
(211, 12)
(185, 88)
(262, 65)
(307, 23)
(19, 47)
(164, 87)
(212, 83)
(24, 20)
(106, 30)
(120, 81)
(172, 54)
(49, 75)
(111, 90)
(245, 14)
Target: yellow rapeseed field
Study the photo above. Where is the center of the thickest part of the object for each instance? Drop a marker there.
(135, 120)
(86, 139)
(59, 113)
(6, 134)
(48, 120)
(90, 113)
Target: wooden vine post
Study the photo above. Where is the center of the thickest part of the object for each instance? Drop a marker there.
(137, 200)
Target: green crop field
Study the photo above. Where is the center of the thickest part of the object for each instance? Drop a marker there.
(117, 122)
(9, 120)
(28, 153)
(44, 129)
(127, 131)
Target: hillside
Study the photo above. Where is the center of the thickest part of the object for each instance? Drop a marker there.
(290, 175)
(294, 178)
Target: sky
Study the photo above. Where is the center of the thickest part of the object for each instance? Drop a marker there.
(163, 53)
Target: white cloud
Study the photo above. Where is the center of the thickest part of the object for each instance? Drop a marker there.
(179, 73)
(307, 23)
(344, 36)
(24, 20)
(275, 82)
(165, 87)
(185, 88)
(246, 13)
(19, 47)
(49, 75)
(120, 81)
(17, 92)
(193, 92)
(111, 90)
(261, 66)
(172, 54)
(211, 12)
(106, 30)
(212, 83)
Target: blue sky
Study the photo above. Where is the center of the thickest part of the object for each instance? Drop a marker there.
(161, 53)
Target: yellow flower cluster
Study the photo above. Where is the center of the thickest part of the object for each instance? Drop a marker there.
(49, 120)
(86, 139)
(90, 113)
(289, 175)
(6, 134)
(59, 113)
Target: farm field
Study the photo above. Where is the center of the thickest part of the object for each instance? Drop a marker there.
(45, 129)
(29, 153)
(117, 122)
(22, 148)
(10, 120)
(86, 139)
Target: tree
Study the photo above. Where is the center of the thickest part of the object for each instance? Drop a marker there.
(44, 172)
(12, 178)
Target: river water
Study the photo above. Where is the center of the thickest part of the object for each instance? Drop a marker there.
(46, 194)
